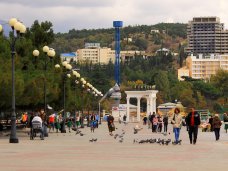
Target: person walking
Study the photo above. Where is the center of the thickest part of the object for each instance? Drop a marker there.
(177, 123)
(144, 120)
(225, 119)
(51, 122)
(69, 124)
(160, 123)
(165, 122)
(211, 123)
(111, 126)
(155, 124)
(149, 121)
(193, 122)
(92, 122)
(97, 119)
(216, 125)
(125, 119)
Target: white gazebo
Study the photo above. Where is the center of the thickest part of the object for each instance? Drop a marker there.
(149, 95)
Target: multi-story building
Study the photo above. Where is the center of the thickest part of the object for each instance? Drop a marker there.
(103, 55)
(202, 67)
(184, 71)
(206, 35)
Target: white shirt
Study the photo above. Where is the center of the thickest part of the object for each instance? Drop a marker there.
(37, 118)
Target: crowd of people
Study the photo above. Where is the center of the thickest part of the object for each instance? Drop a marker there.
(155, 122)
(192, 121)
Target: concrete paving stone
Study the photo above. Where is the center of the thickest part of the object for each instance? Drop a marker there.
(74, 152)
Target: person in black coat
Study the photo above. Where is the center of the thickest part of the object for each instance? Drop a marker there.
(211, 123)
(193, 122)
(111, 126)
(165, 122)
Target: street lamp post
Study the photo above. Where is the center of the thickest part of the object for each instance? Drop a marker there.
(20, 30)
(66, 74)
(50, 53)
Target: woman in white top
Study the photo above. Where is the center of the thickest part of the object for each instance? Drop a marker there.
(177, 123)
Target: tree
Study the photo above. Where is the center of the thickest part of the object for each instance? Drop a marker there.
(141, 43)
(162, 84)
(187, 99)
(220, 80)
(41, 33)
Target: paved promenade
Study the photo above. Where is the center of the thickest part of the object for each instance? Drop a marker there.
(68, 152)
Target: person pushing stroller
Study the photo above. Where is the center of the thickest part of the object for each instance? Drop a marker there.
(37, 126)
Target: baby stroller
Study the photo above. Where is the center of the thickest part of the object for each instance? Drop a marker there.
(35, 129)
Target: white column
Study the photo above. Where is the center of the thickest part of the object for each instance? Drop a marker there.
(138, 109)
(151, 104)
(147, 107)
(128, 109)
(154, 104)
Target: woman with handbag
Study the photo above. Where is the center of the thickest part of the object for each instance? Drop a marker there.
(177, 123)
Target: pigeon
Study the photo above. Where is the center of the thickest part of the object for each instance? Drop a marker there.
(158, 140)
(121, 140)
(95, 140)
(141, 141)
(135, 141)
(81, 134)
(163, 142)
(49, 107)
(120, 136)
(152, 141)
(167, 141)
(116, 135)
(91, 140)
(77, 132)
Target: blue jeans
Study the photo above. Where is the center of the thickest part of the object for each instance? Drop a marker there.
(177, 133)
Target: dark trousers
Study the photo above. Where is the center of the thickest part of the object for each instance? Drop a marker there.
(165, 127)
(217, 133)
(193, 130)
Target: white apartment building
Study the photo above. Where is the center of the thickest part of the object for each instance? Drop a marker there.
(97, 55)
(103, 55)
(202, 67)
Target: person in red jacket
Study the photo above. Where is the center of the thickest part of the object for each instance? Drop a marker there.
(193, 122)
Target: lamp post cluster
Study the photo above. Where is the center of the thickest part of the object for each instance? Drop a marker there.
(67, 72)
(18, 28)
(49, 53)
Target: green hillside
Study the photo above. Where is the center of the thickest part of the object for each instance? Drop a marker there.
(159, 70)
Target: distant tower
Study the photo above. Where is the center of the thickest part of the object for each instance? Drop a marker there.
(117, 25)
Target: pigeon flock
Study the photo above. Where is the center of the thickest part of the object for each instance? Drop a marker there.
(120, 138)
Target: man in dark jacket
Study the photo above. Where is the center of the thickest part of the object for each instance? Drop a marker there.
(165, 122)
(111, 126)
(193, 122)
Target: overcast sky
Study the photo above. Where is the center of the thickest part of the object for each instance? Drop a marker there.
(87, 14)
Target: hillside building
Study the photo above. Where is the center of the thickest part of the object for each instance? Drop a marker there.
(203, 66)
(103, 55)
(206, 35)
